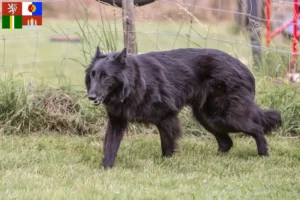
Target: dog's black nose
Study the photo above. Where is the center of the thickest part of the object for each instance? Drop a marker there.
(92, 97)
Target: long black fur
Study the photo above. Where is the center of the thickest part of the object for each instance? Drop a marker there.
(154, 87)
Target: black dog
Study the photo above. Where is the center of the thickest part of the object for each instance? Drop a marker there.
(154, 87)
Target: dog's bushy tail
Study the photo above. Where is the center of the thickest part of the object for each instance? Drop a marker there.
(270, 119)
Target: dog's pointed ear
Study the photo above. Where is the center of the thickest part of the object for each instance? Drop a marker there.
(121, 57)
(98, 52)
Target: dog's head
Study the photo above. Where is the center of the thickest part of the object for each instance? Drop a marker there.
(105, 77)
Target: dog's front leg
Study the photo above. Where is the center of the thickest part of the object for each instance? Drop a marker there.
(114, 134)
(170, 131)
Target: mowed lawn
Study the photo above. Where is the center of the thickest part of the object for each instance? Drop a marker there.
(50, 166)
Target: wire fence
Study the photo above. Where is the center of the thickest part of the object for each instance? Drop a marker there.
(35, 52)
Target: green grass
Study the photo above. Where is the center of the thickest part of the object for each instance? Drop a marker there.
(49, 166)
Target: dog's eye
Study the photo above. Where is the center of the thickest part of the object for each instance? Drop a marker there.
(103, 75)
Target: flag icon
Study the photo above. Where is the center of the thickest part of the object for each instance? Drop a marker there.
(11, 8)
(18, 15)
(31, 21)
(32, 8)
(11, 15)
(11, 22)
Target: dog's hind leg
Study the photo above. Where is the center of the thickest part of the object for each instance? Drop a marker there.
(114, 134)
(247, 121)
(248, 124)
(170, 131)
(258, 134)
(224, 142)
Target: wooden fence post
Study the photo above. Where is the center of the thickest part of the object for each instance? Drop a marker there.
(129, 26)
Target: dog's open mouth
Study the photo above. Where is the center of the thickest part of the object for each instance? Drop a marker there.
(97, 102)
(100, 100)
